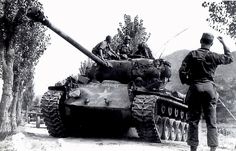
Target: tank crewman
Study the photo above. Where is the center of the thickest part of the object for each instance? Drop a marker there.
(160, 75)
(197, 71)
(104, 51)
(165, 67)
(143, 52)
(124, 50)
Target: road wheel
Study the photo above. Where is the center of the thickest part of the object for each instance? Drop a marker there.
(166, 128)
(179, 128)
(159, 125)
(172, 129)
(184, 131)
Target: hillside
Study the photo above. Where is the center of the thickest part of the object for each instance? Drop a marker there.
(228, 71)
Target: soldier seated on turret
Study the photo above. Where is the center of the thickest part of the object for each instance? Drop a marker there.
(124, 50)
(143, 52)
(104, 51)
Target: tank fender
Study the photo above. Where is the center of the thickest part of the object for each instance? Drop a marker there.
(57, 88)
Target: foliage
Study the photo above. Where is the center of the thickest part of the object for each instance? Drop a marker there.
(29, 39)
(134, 29)
(28, 96)
(222, 16)
(28, 50)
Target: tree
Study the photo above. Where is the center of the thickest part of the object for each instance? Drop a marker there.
(222, 16)
(21, 45)
(9, 21)
(134, 29)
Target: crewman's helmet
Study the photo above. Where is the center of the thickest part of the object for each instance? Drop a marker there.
(108, 39)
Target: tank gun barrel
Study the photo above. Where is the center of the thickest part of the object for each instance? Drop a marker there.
(38, 16)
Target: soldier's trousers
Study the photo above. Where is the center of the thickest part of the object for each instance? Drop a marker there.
(202, 98)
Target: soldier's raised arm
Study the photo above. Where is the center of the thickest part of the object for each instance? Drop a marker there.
(226, 48)
(227, 57)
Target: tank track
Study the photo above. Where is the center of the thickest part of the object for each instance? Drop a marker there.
(51, 113)
(143, 112)
(151, 125)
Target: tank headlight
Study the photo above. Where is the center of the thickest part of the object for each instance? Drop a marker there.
(86, 101)
(107, 102)
(74, 93)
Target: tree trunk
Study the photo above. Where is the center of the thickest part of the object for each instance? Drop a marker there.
(6, 100)
(13, 107)
(19, 108)
(13, 110)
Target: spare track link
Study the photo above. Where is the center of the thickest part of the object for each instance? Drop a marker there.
(50, 110)
(143, 111)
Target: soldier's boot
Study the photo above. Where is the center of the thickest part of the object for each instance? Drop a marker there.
(212, 148)
(193, 148)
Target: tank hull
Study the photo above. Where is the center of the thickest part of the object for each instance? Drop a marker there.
(98, 109)
(107, 95)
(92, 121)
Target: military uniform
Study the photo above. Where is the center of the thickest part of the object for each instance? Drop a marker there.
(124, 50)
(104, 47)
(156, 76)
(197, 70)
(143, 52)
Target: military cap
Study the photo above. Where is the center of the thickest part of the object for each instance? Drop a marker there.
(208, 37)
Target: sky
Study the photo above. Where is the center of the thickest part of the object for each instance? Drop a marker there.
(88, 22)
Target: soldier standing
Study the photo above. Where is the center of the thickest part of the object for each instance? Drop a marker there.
(197, 70)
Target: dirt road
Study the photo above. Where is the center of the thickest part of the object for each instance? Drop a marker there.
(37, 139)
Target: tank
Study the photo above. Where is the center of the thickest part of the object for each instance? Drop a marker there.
(113, 96)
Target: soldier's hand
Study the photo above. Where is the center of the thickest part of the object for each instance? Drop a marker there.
(109, 65)
(220, 39)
